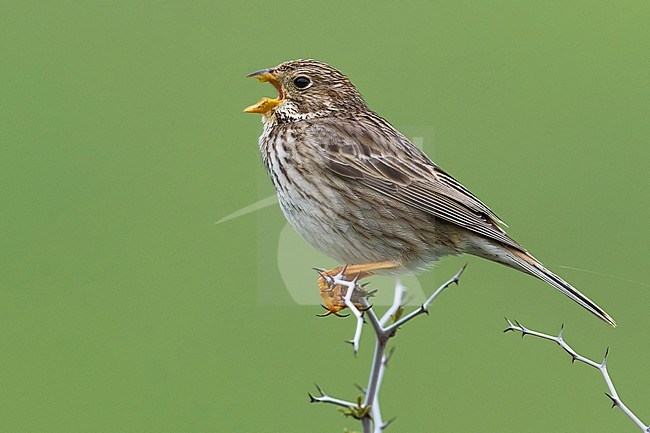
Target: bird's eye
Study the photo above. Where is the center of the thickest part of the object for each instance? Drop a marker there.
(302, 82)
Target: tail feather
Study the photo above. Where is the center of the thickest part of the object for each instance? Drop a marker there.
(524, 262)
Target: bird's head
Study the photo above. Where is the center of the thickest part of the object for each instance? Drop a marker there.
(306, 89)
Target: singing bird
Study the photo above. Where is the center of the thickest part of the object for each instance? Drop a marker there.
(359, 191)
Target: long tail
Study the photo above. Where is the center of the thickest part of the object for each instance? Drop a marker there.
(524, 262)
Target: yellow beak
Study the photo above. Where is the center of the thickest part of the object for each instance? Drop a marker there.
(266, 104)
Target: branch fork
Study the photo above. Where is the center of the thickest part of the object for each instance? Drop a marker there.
(367, 408)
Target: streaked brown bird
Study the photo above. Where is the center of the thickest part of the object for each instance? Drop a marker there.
(358, 190)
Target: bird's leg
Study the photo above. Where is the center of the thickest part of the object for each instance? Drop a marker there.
(334, 295)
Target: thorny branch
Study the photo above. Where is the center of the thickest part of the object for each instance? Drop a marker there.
(600, 366)
(367, 408)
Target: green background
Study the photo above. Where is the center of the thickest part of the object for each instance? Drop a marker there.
(125, 308)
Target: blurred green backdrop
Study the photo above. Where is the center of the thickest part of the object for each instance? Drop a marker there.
(124, 308)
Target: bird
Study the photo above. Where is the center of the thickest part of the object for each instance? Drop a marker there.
(359, 191)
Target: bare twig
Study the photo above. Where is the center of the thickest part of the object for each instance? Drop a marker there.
(340, 280)
(324, 398)
(600, 366)
(424, 308)
(398, 295)
(367, 409)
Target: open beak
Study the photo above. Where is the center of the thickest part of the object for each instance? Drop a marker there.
(266, 104)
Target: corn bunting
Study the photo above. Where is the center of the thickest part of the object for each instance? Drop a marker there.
(359, 191)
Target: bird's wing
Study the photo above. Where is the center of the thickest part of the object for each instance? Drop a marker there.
(380, 158)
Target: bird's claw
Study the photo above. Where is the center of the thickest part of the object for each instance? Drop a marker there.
(331, 311)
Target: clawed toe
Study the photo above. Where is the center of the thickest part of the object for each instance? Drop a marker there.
(333, 311)
(334, 285)
(363, 309)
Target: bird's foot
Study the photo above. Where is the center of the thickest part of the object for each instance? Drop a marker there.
(333, 294)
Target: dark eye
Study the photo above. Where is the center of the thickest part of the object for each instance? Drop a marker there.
(302, 82)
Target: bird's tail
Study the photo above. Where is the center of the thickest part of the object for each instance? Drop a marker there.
(524, 262)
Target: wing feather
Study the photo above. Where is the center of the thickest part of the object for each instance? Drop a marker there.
(379, 157)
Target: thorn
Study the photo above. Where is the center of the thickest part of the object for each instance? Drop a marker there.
(312, 399)
(389, 422)
(459, 273)
(363, 285)
(360, 388)
(604, 363)
(323, 275)
(559, 336)
(614, 403)
(573, 358)
(341, 273)
(521, 328)
(424, 309)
